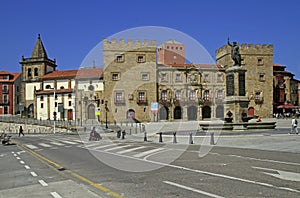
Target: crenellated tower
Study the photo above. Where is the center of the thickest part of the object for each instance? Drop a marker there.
(257, 60)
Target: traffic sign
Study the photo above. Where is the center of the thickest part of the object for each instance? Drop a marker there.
(97, 111)
(154, 107)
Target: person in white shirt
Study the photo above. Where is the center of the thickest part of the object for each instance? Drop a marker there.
(294, 125)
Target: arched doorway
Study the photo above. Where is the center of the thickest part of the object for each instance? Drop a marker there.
(220, 111)
(164, 113)
(192, 113)
(250, 112)
(178, 113)
(206, 112)
(91, 112)
(130, 114)
(30, 111)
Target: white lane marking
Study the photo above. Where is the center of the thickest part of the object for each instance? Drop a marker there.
(55, 195)
(68, 142)
(93, 144)
(103, 146)
(15, 155)
(22, 162)
(262, 160)
(20, 152)
(31, 146)
(33, 174)
(148, 152)
(18, 158)
(27, 167)
(44, 145)
(193, 189)
(43, 183)
(285, 175)
(116, 148)
(130, 150)
(79, 141)
(208, 173)
(57, 143)
(12, 152)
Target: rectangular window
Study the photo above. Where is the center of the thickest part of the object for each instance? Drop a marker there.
(141, 58)
(206, 95)
(5, 98)
(257, 95)
(5, 89)
(119, 98)
(206, 78)
(120, 58)
(178, 95)
(164, 77)
(55, 104)
(42, 105)
(164, 95)
(141, 97)
(145, 76)
(220, 94)
(260, 61)
(192, 95)
(220, 78)
(115, 76)
(5, 77)
(70, 103)
(178, 77)
(261, 77)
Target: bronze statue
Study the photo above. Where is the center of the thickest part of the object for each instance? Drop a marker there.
(235, 53)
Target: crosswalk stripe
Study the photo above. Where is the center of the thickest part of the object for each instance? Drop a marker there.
(130, 150)
(79, 141)
(44, 145)
(68, 142)
(143, 154)
(57, 143)
(103, 146)
(93, 144)
(31, 146)
(118, 147)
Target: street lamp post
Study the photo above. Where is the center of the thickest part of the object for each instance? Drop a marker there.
(106, 110)
(54, 112)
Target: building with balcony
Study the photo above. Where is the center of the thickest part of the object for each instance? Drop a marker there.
(10, 85)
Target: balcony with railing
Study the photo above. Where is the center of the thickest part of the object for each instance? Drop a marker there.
(142, 102)
(5, 91)
(120, 101)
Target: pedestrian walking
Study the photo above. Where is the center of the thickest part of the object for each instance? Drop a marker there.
(294, 125)
(21, 131)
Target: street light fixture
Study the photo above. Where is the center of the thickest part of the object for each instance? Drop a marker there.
(106, 110)
(54, 112)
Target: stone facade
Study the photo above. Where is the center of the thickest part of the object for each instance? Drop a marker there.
(129, 79)
(190, 92)
(257, 60)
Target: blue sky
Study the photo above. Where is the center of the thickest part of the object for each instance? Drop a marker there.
(71, 28)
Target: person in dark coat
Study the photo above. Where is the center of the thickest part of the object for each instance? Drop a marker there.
(21, 131)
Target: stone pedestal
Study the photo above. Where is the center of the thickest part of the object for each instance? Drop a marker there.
(236, 100)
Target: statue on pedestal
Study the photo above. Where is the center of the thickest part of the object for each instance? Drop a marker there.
(235, 53)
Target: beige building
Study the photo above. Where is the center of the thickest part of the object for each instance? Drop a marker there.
(129, 79)
(190, 91)
(257, 60)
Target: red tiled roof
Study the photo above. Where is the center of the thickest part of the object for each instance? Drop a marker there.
(15, 76)
(60, 74)
(90, 73)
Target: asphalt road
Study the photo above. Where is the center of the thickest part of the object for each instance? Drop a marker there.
(260, 165)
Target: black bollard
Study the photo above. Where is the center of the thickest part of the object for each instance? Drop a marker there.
(212, 139)
(191, 139)
(123, 134)
(160, 137)
(174, 138)
(145, 137)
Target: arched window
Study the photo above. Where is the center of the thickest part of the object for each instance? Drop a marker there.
(36, 71)
(29, 72)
